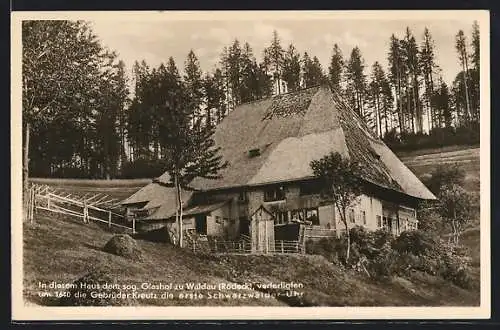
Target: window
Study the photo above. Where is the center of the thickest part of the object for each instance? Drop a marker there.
(379, 221)
(242, 196)
(218, 219)
(352, 219)
(297, 215)
(281, 217)
(254, 152)
(312, 215)
(310, 188)
(275, 193)
(404, 224)
(363, 216)
(385, 223)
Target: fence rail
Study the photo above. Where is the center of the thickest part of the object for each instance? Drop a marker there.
(243, 246)
(88, 208)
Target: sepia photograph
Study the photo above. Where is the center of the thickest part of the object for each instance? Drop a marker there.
(286, 160)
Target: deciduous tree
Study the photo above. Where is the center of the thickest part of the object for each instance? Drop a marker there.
(341, 181)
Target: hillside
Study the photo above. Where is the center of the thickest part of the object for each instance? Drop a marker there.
(423, 162)
(63, 250)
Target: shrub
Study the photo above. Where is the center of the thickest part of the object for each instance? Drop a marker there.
(445, 175)
(455, 266)
(327, 247)
(415, 242)
(421, 251)
(383, 256)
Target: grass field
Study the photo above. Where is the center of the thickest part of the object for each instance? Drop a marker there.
(61, 249)
(467, 159)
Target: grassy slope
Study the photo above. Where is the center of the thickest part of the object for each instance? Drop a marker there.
(62, 249)
(73, 247)
(467, 159)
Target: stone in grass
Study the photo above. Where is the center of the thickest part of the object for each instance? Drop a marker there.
(96, 288)
(125, 246)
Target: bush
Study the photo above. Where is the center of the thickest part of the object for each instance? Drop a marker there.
(327, 247)
(445, 175)
(383, 256)
(415, 242)
(455, 267)
(417, 250)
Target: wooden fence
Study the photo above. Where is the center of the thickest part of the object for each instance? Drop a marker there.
(243, 246)
(85, 207)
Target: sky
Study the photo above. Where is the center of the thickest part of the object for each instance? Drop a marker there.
(156, 40)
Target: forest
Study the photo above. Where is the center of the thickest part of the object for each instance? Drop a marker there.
(86, 117)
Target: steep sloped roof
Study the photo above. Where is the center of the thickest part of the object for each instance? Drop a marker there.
(289, 131)
(159, 199)
(165, 207)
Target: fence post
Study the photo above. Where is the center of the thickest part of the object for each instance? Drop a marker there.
(109, 219)
(48, 201)
(32, 205)
(282, 251)
(85, 211)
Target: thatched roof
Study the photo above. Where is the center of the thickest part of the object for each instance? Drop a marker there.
(159, 199)
(289, 131)
(275, 140)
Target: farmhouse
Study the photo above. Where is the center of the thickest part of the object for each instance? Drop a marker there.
(269, 145)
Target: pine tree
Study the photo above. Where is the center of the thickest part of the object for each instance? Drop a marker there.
(460, 45)
(190, 148)
(224, 67)
(122, 93)
(428, 65)
(387, 105)
(377, 90)
(312, 71)
(475, 56)
(274, 58)
(442, 101)
(410, 53)
(213, 85)
(397, 78)
(193, 82)
(356, 80)
(291, 69)
(475, 72)
(248, 87)
(234, 72)
(336, 68)
(139, 119)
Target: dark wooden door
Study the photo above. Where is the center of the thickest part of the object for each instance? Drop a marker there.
(201, 224)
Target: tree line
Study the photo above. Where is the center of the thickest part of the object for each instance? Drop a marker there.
(88, 118)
